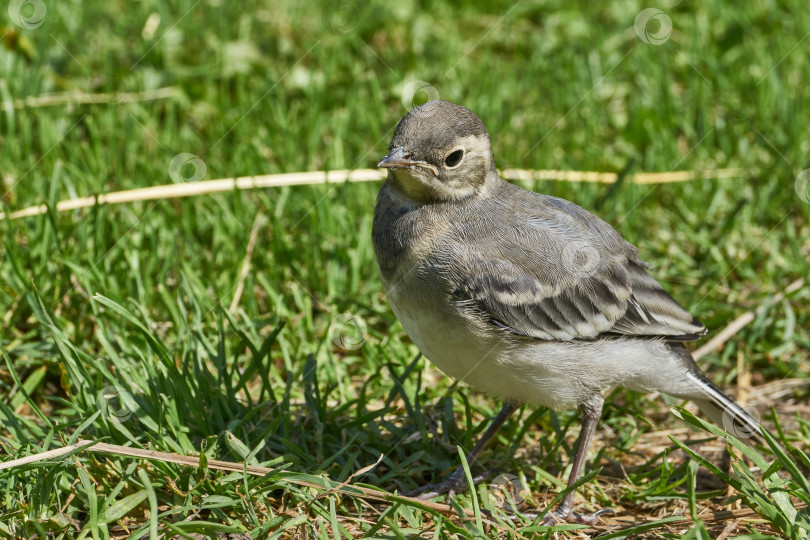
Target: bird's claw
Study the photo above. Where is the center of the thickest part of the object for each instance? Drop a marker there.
(451, 486)
(561, 515)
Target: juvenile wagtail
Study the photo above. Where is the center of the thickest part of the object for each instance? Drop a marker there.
(524, 296)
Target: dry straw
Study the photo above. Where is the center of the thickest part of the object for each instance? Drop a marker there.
(83, 98)
(328, 487)
(171, 191)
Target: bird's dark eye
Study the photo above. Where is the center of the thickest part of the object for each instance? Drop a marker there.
(453, 158)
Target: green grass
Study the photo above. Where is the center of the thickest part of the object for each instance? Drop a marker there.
(115, 323)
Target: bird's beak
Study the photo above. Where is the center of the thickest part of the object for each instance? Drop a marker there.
(398, 158)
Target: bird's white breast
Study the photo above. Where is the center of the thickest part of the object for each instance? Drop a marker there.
(524, 370)
(485, 360)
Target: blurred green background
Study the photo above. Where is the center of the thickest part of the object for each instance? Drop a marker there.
(116, 323)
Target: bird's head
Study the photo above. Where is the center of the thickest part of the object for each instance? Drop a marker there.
(440, 152)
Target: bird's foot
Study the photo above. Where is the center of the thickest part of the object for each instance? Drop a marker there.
(456, 483)
(565, 515)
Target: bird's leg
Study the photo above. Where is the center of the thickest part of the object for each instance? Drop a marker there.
(457, 481)
(591, 411)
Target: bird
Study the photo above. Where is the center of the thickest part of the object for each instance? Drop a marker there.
(524, 296)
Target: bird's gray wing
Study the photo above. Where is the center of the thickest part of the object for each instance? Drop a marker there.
(553, 271)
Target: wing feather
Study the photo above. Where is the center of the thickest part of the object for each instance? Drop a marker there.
(581, 280)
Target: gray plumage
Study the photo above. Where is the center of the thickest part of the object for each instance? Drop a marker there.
(525, 296)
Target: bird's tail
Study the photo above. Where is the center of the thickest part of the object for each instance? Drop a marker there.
(742, 422)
